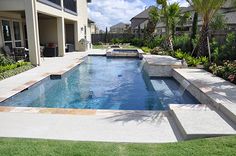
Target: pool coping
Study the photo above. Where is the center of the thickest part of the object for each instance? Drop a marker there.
(31, 83)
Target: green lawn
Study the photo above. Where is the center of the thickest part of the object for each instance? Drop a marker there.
(218, 146)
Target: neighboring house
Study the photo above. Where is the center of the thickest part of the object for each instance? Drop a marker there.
(31, 23)
(139, 22)
(120, 28)
(227, 10)
(93, 27)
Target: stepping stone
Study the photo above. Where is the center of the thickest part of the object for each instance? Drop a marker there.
(199, 121)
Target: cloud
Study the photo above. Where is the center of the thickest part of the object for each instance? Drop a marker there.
(109, 12)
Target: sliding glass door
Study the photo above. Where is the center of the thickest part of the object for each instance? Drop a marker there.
(7, 37)
(11, 33)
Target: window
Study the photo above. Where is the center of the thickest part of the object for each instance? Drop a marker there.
(11, 33)
(54, 3)
(17, 34)
(70, 6)
(6, 28)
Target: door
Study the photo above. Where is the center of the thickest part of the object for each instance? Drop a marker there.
(7, 36)
(17, 34)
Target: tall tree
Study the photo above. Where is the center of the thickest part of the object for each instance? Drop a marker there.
(206, 9)
(194, 26)
(154, 17)
(172, 16)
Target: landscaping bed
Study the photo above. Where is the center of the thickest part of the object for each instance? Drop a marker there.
(8, 67)
(21, 147)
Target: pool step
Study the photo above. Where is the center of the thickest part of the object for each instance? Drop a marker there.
(200, 121)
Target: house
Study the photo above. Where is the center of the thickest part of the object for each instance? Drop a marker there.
(227, 10)
(32, 23)
(93, 27)
(139, 22)
(120, 28)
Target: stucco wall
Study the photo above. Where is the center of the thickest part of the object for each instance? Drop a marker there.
(48, 31)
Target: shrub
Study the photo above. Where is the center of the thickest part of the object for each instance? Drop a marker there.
(12, 66)
(226, 71)
(137, 42)
(15, 71)
(227, 51)
(146, 49)
(157, 41)
(5, 60)
(191, 61)
(182, 42)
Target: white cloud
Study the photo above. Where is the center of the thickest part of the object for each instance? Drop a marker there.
(109, 12)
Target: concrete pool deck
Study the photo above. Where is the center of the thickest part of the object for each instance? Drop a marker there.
(119, 126)
(107, 126)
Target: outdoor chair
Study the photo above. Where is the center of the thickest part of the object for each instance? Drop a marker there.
(21, 53)
(17, 53)
(51, 50)
(8, 52)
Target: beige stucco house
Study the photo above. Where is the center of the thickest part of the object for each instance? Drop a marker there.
(31, 23)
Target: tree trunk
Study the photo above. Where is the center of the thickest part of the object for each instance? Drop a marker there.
(203, 47)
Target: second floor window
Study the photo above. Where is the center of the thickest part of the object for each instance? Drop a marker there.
(70, 5)
(58, 2)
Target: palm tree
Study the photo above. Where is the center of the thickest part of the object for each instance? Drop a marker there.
(172, 17)
(206, 9)
(154, 17)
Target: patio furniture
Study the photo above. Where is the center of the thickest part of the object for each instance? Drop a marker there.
(8, 52)
(17, 53)
(41, 51)
(70, 47)
(51, 50)
(21, 53)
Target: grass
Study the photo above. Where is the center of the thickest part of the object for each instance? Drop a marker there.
(21, 147)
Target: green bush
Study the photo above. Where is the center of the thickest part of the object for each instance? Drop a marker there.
(5, 60)
(226, 71)
(182, 42)
(227, 51)
(137, 42)
(155, 42)
(15, 71)
(146, 49)
(12, 66)
(191, 61)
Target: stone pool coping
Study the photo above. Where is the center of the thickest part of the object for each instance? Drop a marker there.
(6, 93)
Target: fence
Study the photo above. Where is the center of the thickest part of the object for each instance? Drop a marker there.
(107, 38)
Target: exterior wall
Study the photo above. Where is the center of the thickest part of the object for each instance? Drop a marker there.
(48, 31)
(32, 8)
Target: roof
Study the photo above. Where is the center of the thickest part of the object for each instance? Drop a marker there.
(119, 25)
(144, 14)
(230, 17)
(90, 21)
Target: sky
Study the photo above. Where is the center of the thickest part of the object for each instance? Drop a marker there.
(106, 13)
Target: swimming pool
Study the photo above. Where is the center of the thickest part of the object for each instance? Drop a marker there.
(104, 83)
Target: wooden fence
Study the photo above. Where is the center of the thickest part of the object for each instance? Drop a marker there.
(107, 38)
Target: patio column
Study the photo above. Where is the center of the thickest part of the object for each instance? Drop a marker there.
(31, 18)
(61, 36)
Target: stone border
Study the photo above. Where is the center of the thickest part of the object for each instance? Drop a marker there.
(41, 78)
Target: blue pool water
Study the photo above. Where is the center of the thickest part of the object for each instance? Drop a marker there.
(102, 83)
